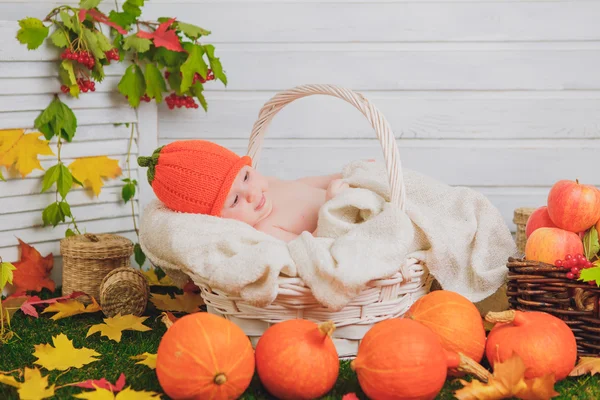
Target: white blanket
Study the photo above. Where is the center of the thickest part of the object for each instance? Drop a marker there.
(455, 231)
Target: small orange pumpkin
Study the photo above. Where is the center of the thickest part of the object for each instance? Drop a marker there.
(204, 356)
(401, 359)
(454, 319)
(297, 360)
(545, 343)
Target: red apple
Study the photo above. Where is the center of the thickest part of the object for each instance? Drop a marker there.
(572, 206)
(539, 219)
(551, 244)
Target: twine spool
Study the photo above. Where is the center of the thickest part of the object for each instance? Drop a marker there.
(520, 218)
(124, 290)
(88, 258)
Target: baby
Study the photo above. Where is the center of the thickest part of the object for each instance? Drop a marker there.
(197, 176)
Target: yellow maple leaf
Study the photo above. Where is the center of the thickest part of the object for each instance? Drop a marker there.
(71, 307)
(114, 326)
(125, 394)
(63, 355)
(90, 170)
(21, 150)
(507, 381)
(187, 302)
(153, 280)
(147, 359)
(586, 365)
(9, 380)
(35, 386)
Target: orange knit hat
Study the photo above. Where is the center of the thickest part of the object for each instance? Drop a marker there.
(193, 176)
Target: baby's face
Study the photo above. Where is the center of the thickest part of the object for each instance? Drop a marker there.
(248, 200)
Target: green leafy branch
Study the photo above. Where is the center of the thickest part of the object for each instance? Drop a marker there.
(161, 52)
(591, 249)
(59, 121)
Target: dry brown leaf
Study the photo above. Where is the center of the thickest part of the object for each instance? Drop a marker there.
(70, 308)
(168, 318)
(187, 302)
(507, 381)
(586, 365)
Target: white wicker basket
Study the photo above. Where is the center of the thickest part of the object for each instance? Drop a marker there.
(382, 299)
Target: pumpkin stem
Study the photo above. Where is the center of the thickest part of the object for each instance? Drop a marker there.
(470, 366)
(327, 328)
(220, 379)
(502, 316)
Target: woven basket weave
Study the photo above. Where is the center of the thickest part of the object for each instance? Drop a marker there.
(536, 286)
(88, 258)
(124, 291)
(382, 299)
(520, 218)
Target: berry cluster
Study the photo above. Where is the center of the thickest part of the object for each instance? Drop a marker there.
(82, 57)
(575, 264)
(180, 101)
(84, 86)
(112, 55)
(145, 98)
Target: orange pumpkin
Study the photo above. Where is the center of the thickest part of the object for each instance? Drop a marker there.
(203, 356)
(401, 359)
(296, 359)
(544, 342)
(454, 319)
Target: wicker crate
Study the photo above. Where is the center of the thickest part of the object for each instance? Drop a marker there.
(88, 258)
(520, 218)
(536, 286)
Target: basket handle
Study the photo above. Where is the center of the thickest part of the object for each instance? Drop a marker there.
(377, 120)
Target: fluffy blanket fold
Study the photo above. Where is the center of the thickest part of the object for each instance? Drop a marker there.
(455, 231)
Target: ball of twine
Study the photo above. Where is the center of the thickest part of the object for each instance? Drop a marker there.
(125, 291)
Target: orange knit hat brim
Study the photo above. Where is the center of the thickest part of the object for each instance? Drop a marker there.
(227, 183)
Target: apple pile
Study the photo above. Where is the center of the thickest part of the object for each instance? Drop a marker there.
(555, 232)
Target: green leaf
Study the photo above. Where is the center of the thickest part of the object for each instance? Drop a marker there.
(67, 74)
(590, 274)
(65, 208)
(136, 43)
(197, 90)
(88, 4)
(2, 177)
(6, 274)
(192, 31)
(155, 83)
(53, 215)
(133, 7)
(132, 84)
(98, 72)
(122, 19)
(103, 41)
(65, 181)
(175, 80)
(215, 64)
(92, 44)
(66, 19)
(50, 177)
(59, 38)
(128, 192)
(591, 245)
(140, 257)
(69, 232)
(169, 58)
(32, 32)
(194, 63)
(57, 119)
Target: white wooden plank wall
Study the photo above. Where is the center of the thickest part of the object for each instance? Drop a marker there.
(28, 80)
